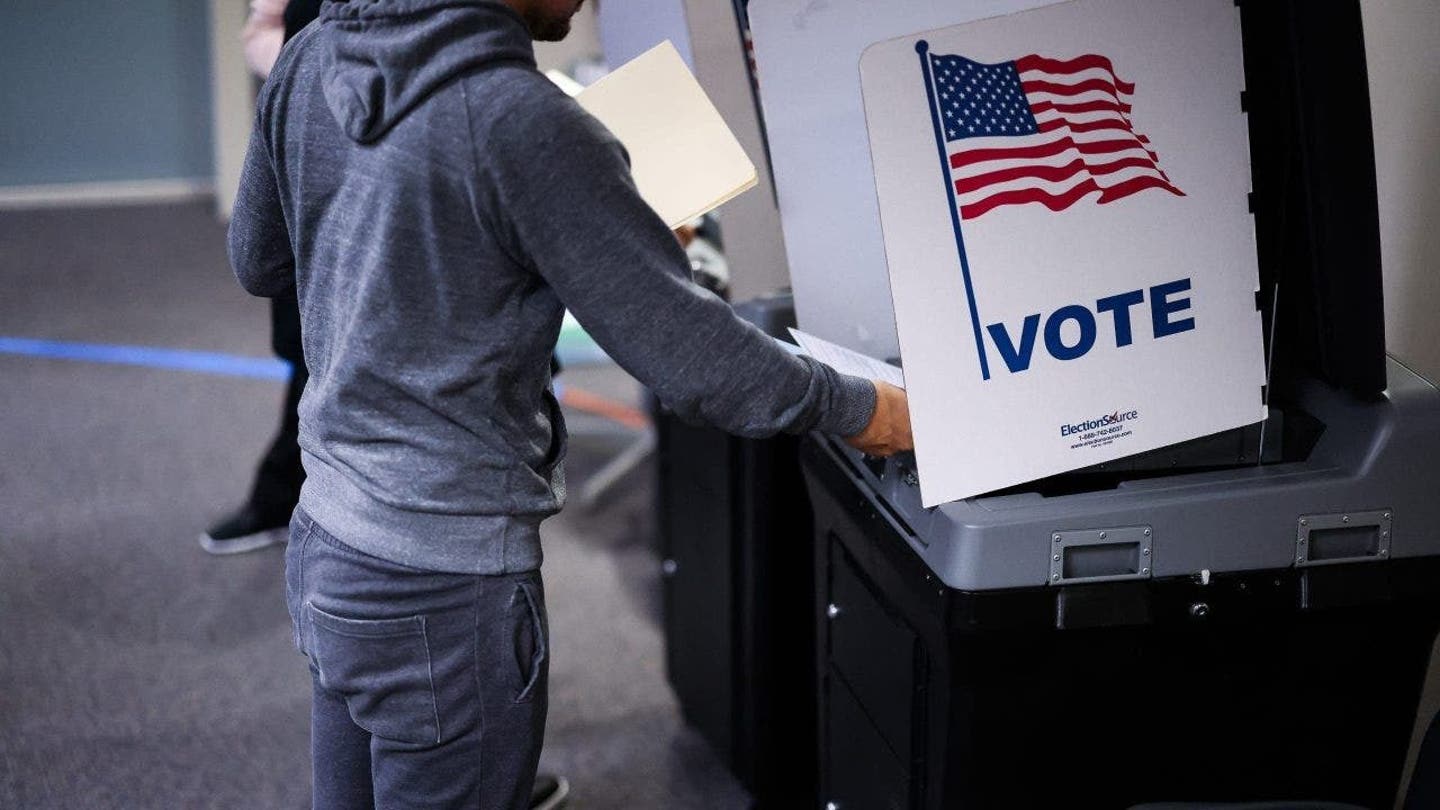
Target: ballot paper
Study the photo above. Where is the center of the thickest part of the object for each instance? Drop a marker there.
(685, 160)
(849, 362)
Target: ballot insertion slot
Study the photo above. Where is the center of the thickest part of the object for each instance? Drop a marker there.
(1100, 555)
(1343, 537)
(876, 468)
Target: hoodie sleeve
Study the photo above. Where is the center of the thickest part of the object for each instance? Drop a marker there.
(259, 241)
(562, 197)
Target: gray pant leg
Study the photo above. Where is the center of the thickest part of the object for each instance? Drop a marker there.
(446, 673)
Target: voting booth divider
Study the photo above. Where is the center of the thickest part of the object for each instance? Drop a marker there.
(1063, 199)
(1214, 578)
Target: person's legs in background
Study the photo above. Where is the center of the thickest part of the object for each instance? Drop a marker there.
(262, 521)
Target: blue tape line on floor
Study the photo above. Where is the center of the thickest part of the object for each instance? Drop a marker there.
(230, 365)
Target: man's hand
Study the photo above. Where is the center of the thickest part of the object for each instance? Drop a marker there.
(685, 234)
(889, 429)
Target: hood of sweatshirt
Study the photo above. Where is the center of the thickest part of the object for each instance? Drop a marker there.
(383, 57)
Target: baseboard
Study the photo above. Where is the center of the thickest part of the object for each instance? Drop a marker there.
(122, 192)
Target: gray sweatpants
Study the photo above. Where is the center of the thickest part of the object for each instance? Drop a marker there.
(429, 688)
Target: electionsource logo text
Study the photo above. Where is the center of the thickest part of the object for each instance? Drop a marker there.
(1104, 421)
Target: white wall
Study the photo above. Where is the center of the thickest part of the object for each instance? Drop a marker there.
(233, 90)
(1402, 48)
(629, 28)
(583, 43)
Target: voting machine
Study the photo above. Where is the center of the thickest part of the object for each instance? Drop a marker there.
(1246, 616)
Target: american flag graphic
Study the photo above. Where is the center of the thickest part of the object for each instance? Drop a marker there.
(1038, 130)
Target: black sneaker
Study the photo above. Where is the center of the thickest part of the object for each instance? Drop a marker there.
(550, 792)
(245, 530)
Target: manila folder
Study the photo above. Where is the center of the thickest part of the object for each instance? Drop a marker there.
(684, 159)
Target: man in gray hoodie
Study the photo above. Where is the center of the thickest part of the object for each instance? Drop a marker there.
(437, 204)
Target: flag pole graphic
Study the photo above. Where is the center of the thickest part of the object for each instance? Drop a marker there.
(923, 48)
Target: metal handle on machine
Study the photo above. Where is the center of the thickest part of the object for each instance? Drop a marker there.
(1101, 555)
(1343, 537)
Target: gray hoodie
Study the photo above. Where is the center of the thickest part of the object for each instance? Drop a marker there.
(438, 204)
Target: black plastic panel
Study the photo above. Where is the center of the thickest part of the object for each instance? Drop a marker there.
(874, 654)
(1273, 685)
(864, 772)
(1317, 222)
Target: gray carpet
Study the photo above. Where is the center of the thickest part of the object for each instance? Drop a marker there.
(136, 671)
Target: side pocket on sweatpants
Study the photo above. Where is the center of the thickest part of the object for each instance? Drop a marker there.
(531, 642)
(381, 667)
